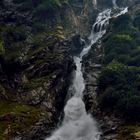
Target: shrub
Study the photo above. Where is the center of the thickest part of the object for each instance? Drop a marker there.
(130, 107)
(123, 22)
(47, 6)
(109, 99)
(119, 89)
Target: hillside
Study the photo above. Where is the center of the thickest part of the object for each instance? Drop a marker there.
(38, 39)
(117, 89)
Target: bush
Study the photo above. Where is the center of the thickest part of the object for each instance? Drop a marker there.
(119, 81)
(111, 75)
(109, 99)
(122, 23)
(130, 107)
(119, 87)
(47, 6)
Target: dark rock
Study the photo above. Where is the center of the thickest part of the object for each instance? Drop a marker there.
(77, 45)
(8, 117)
(34, 97)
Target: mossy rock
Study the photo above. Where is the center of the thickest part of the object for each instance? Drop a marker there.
(12, 41)
(137, 134)
(129, 132)
(35, 83)
(25, 117)
(2, 49)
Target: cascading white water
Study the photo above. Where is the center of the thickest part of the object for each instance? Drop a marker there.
(115, 4)
(77, 124)
(94, 3)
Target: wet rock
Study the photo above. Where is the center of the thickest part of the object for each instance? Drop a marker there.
(43, 75)
(8, 117)
(111, 137)
(77, 44)
(91, 70)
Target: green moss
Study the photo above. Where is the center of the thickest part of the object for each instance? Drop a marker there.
(132, 129)
(15, 51)
(41, 41)
(39, 38)
(48, 5)
(137, 134)
(3, 126)
(35, 83)
(12, 40)
(26, 116)
(2, 89)
(123, 37)
(129, 132)
(2, 49)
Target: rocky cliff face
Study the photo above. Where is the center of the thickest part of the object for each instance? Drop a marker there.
(35, 67)
(113, 123)
(36, 62)
(38, 79)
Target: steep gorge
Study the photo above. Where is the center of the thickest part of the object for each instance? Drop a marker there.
(36, 47)
(36, 41)
(115, 101)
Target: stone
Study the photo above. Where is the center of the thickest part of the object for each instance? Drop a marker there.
(35, 96)
(8, 117)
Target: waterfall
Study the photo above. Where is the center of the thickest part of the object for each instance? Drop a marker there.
(94, 3)
(114, 2)
(77, 124)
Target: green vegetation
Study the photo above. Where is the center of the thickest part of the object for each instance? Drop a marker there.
(129, 131)
(42, 44)
(42, 62)
(119, 86)
(47, 6)
(35, 83)
(41, 7)
(18, 118)
(12, 41)
(119, 82)
(2, 49)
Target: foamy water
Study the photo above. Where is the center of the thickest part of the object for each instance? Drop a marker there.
(77, 124)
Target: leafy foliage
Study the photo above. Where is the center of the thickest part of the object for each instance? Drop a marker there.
(119, 82)
(48, 5)
(24, 116)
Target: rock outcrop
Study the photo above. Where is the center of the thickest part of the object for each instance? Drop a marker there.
(35, 68)
(112, 124)
(37, 41)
